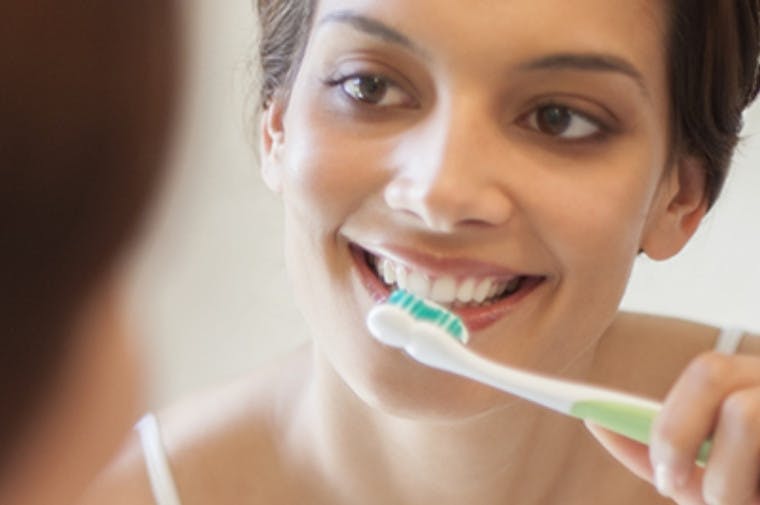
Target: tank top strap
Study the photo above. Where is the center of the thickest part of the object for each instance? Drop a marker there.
(156, 462)
(728, 340)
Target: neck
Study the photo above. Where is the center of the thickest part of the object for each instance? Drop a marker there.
(511, 451)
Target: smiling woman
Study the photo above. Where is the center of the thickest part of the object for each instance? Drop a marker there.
(509, 160)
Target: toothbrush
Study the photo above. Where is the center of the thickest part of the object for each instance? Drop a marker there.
(436, 337)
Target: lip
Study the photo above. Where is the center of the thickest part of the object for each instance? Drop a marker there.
(435, 266)
(475, 318)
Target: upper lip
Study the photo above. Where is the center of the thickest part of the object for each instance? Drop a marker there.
(435, 265)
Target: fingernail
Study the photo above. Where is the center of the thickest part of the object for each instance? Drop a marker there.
(664, 480)
(711, 500)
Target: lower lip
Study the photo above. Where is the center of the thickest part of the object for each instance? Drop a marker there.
(475, 318)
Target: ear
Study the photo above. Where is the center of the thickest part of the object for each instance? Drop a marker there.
(680, 205)
(271, 141)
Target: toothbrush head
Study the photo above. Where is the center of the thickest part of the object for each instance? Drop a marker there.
(393, 322)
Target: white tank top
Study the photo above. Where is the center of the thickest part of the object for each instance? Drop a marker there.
(156, 462)
(160, 474)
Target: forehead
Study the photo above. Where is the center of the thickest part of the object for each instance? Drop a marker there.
(634, 30)
(494, 16)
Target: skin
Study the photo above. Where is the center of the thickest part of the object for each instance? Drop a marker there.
(449, 161)
(86, 414)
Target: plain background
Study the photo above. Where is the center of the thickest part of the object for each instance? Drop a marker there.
(211, 297)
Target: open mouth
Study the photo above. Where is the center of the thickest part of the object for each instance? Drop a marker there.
(468, 295)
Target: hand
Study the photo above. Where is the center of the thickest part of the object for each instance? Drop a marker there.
(716, 396)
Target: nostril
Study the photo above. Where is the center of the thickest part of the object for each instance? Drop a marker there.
(445, 204)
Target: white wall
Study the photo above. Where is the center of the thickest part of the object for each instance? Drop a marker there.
(211, 291)
(716, 279)
(211, 288)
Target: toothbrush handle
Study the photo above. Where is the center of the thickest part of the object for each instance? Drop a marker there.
(631, 421)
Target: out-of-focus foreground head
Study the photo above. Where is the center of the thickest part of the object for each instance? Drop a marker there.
(87, 94)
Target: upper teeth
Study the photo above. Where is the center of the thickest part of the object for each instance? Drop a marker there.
(445, 289)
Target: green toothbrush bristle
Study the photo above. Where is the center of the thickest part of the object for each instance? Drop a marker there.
(424, 310)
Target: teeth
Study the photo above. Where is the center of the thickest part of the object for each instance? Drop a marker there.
(466, 290)
(495, 289)
(388, 272)
(419, 284)
(481, 290)
(446, 289)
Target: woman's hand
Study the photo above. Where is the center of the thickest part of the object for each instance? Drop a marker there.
(716, 396)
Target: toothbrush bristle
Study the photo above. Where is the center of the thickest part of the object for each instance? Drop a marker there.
(426, 310)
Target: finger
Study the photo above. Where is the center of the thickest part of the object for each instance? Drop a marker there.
(691, 492)
(631, 454)
(690, 412)
(731, 475)
(635, 457)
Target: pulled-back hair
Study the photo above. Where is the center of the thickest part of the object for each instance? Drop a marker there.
(712, 68)
(713, 72)
(87, 92)
(284, 30)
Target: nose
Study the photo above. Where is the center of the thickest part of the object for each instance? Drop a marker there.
(448, 172)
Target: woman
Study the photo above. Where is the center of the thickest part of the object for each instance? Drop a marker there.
(87, 91)
(517, 157)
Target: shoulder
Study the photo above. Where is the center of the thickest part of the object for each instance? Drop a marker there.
(750, 343)
(124, 481)
(645, 353)
(690, 336)
(221, 444)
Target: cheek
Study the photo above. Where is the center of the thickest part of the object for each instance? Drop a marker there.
(329, 169)
(325, 178)
(596, 230)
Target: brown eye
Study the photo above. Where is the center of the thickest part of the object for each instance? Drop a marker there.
(562, 122)
(366, 89)
(375, 91)
(553, 120)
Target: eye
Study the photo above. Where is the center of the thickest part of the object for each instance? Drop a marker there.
(562, 122)
(374, 90)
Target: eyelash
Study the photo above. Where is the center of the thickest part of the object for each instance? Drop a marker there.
(389, 85)
(530, 119)
(600, 129)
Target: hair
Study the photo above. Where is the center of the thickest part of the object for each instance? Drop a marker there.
(712, 64)
(285, 27)
(87, 95)
(713, 71)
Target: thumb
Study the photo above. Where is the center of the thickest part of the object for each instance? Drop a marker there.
(631, 454)
(635, 457)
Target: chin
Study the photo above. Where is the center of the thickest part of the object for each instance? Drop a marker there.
(402, 388)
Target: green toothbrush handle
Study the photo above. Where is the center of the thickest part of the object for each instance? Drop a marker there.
(631, 421)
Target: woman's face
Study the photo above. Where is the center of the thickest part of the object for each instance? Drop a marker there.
(514, 150)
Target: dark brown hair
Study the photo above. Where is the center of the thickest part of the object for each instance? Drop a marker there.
(713, 69)
(712, 66)
(285, 27)
(87, 92)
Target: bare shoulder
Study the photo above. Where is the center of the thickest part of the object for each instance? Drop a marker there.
(222, 446)
(689, 336)
(124, 481)
(750, 343)
(646, 353)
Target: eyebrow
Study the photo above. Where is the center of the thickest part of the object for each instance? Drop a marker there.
(593, 62)
(371, 27)
(589, 62)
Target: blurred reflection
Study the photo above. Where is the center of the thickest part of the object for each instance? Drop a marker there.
(87, 96)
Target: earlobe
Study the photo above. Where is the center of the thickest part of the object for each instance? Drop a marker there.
(271, 140)
(679, 208)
